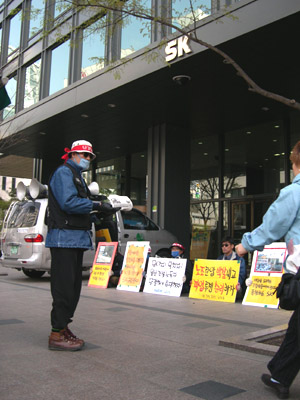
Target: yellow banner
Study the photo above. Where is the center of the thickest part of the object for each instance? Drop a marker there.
(132, 270)
(262, 290)
(215, 280)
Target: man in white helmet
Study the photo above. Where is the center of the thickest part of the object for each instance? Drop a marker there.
(69, 235)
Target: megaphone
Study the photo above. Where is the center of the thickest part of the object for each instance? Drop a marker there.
(120, 201)
(22, 191)
(94, 188)
(37, 189)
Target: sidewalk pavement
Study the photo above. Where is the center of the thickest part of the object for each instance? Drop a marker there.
(138, 346)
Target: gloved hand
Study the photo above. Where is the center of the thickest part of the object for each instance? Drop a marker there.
(106, 208)
(183, 278)
(238, 287)
(248, 282)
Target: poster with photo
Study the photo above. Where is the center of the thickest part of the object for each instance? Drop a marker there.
(266, 272)
(102, 264)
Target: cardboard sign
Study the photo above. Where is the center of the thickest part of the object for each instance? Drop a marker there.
(165, 276)
(266, 272)
(215, 280)
(133, 266)
(102, 264)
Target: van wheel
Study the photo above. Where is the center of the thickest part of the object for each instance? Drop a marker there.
(164, 253)
(33, 273)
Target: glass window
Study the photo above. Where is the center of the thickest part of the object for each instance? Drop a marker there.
(204, 193)
(36, 16)
(32, 84)
(138, 179)
(60, 7)
(24, 215)
(183, 15)
(254, 160)
(136, 220)
(59, 67)
(3, 182)
(11, 88)
(92, 51)
(14, 33)
(136, 33)
(0, 39)
(110, 176)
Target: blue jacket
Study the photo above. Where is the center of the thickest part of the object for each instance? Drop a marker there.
(281, 220)
(66, 194)
(242, 274)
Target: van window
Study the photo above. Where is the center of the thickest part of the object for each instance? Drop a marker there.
(23, 215)
(134, 219)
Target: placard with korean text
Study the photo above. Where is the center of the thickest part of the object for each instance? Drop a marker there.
(133, 266)
(215, 280)
(165, 276)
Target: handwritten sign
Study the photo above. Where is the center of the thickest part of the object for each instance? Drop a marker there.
(165, 276)
(133, 266)
(102, 264)
(215, 280)
(262, 291)
(266, 272)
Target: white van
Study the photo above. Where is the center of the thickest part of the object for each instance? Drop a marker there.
(24, 233)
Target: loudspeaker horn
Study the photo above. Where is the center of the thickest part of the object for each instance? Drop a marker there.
(94, 188)
(37, 190)
(22, 191)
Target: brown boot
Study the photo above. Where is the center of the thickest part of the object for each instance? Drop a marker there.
(71, 336)
(61, 341)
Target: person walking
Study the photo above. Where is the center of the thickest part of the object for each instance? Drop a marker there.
(69, 235)
(282, 219)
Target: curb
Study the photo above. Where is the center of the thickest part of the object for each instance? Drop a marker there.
(253, 342)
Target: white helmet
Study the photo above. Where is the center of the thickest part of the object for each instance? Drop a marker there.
(82, 146)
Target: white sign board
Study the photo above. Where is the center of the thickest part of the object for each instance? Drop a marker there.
(165, 276)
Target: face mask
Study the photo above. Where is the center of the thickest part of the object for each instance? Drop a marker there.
(175, 253)
(84, 164)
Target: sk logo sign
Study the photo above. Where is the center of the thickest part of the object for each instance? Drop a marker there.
(177, 47)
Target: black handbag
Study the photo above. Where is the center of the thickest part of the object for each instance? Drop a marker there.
(288, 291)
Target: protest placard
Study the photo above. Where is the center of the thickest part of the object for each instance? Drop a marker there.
(266, 272)
(133, 266)
(165, 276)
(102, 264)
(215, 280)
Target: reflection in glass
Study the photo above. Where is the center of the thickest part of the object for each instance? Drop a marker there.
(110, 176)
(183, 14)
(204, 193)
(32, 84)
(59, 67)
(254, 160)
(60, 7)
(92, 51)
(11, 88)
(136, 33)
(36, 16)
(14, 33)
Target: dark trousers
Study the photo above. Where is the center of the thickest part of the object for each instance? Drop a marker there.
(66, 281)
(285, 365)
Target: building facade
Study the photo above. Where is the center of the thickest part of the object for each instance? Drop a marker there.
(188, 142)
